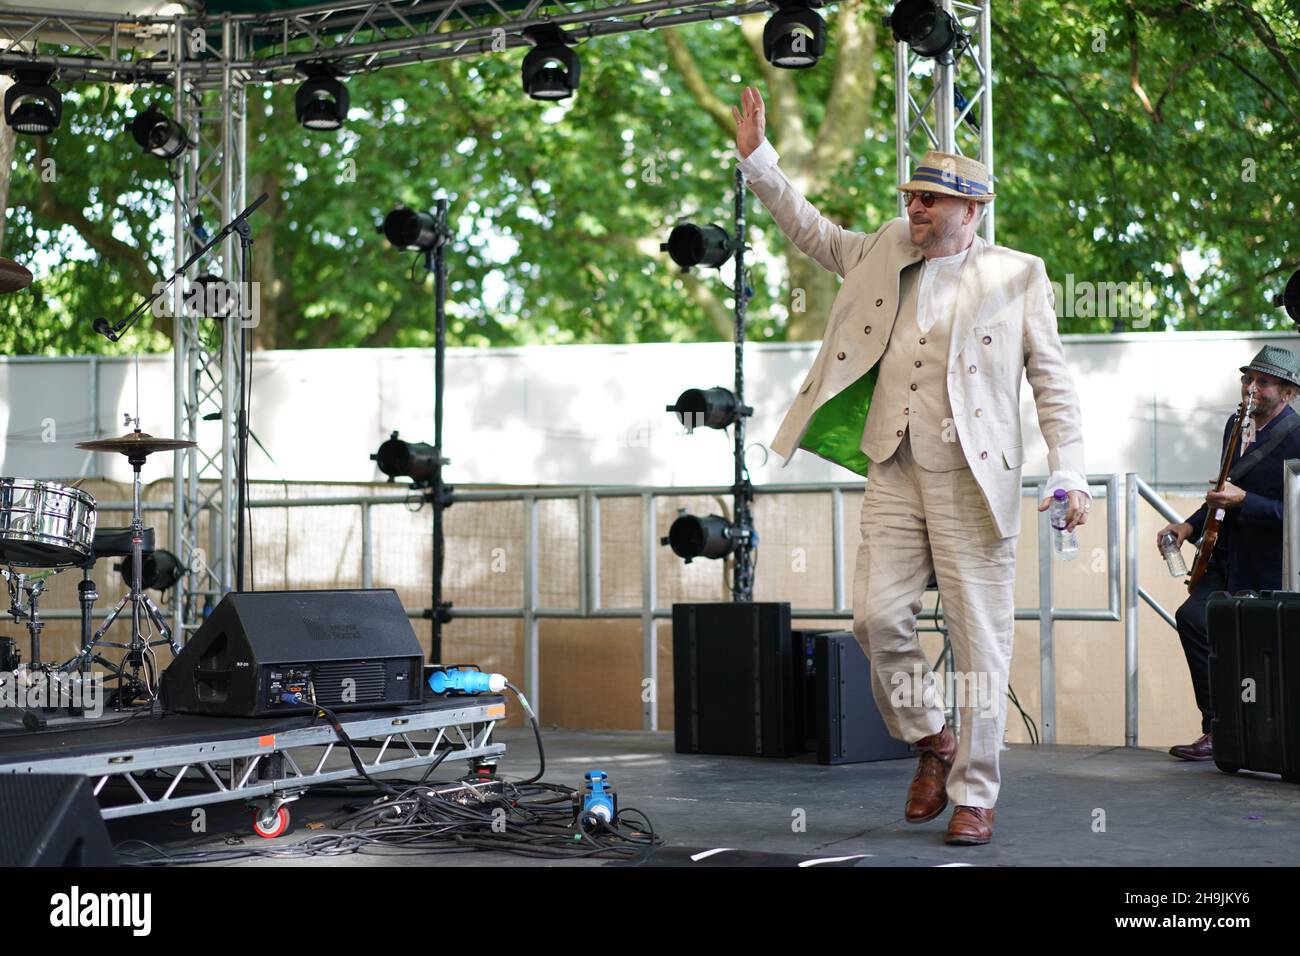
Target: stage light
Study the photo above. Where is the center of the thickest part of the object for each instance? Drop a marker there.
(32, 105)
(322, 100)
(691, 245)
(691, 537)
(927, 28)
(159, 135)
(795, 37)
(708, 407)
(403, 459)
(159, 570)
(551, 69)
(1290, 298)
(409, 229)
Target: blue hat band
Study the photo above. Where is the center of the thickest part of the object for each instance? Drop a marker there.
(967, 187)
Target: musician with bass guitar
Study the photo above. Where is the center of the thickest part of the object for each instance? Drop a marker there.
(1246, 505)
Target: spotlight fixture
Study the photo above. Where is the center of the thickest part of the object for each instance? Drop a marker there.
(32, 105)
(708, 407)
(409, 229)
(794, 37)
(403, 459)
(159, 570)
(928, 29)
(159, 135)
(1290, 298)
(322, 100)
(691, 537)
(691, 245)
(551, 69)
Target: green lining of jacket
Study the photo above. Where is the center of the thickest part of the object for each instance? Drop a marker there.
(835, 430)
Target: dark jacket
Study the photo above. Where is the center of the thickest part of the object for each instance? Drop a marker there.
(1249, 549)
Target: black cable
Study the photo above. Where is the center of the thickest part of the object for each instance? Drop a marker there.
(537, 732)
(357, 763)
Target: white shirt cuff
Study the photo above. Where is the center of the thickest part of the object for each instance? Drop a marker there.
(763, 158)
(1069, 481)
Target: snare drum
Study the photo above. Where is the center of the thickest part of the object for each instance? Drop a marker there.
(44, 524)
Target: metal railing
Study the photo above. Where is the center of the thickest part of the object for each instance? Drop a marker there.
(649, 614)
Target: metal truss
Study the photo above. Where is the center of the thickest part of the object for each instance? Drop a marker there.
(933, 120)
(210, 189)
(273, 768)
(356, 36)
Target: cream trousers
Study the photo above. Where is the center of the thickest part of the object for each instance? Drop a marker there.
(915, 522)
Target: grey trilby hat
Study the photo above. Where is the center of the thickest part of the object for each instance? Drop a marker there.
(1278, 362)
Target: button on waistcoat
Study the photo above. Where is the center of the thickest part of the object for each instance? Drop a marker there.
(911, 393)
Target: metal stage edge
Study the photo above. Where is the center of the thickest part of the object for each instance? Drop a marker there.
(247, 768)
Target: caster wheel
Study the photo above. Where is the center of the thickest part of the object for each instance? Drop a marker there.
(1227, 767)
(271, 827)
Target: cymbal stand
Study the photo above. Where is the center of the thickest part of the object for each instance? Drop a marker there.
(142, 606)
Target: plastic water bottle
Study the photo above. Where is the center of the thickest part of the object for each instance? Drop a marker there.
(1064, 543)
(1173, 555)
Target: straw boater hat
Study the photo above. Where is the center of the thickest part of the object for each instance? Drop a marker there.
(1278, 362)
(949, 174)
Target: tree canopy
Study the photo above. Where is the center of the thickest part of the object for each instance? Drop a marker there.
(1148, 142)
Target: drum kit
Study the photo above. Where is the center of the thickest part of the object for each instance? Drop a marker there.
(47, 527)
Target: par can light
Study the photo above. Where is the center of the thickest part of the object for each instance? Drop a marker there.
(403, 459)
(551, 69)
(795, 37)
(1290, 298)
(927, 28)
(708, 408)
(691, 537)
(159, 570)
(321, 102)
(691, 245)
(159, 135)
(409, 229)
(32, 105)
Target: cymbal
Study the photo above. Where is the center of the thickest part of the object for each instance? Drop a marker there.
(13, 276)
(136, 444)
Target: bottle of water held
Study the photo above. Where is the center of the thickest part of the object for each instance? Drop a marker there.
(1064, 543)
(1173, 555)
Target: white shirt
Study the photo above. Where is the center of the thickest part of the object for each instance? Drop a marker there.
(936, 297)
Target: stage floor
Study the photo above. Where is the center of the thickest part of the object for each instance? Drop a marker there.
(1156, 811)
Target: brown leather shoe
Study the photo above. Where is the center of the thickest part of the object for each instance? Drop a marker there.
(928, 794)
(970, 826)
(1202, 749)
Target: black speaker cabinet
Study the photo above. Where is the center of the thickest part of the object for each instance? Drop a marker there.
(355, 650)
(849, 726)
(51, 820)
(734, 682)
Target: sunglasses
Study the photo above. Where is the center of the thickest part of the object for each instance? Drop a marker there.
(927, 199)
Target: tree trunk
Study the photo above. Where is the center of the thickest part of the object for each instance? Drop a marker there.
(7, 139)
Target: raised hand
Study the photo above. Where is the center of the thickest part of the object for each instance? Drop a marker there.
(751, 121)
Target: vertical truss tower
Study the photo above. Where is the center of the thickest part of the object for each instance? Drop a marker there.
(935, 120)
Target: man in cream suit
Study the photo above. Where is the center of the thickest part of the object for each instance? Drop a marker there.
(949, 326)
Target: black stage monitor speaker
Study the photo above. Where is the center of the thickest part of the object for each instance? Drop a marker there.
(849, 726)
(735, 690)
(51, 820)
(354, 650)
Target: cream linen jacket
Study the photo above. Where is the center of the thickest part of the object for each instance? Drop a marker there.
(1004, 330)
